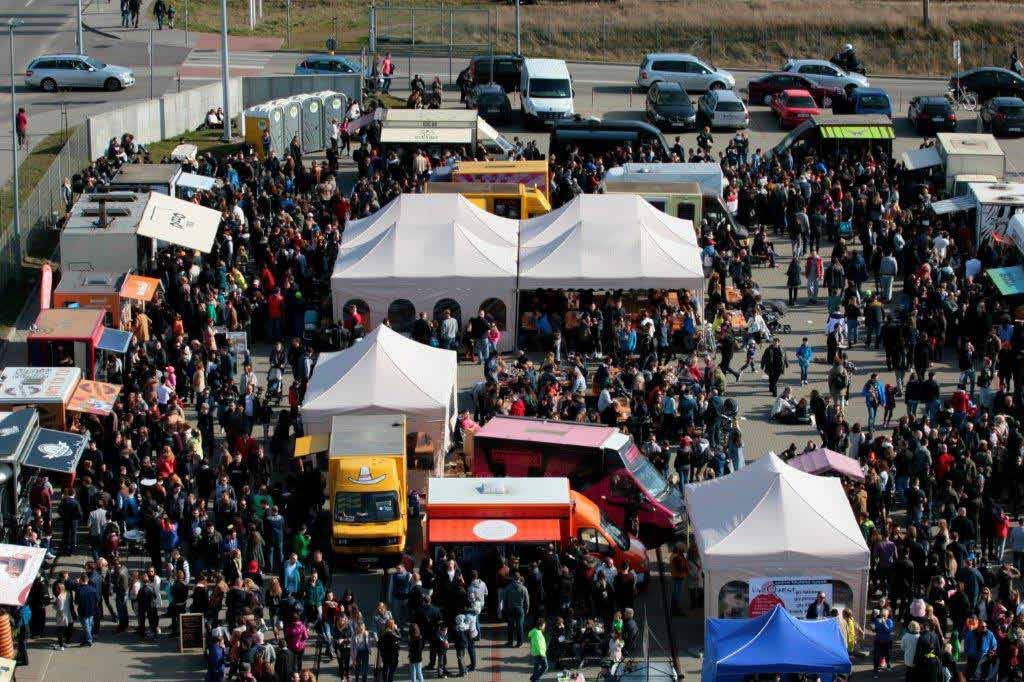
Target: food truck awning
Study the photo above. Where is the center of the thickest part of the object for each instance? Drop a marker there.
(915, 159)
(196, 181)
(486, 131)
(139, 288)
(14, 429)
(398, 135)
(19, 566)
(310, 445)
(55, 451)
(114, 340)
(1009, 281)
(872, 132)
(493, 530)
(94, 397)
(964, 202)
(179, 222)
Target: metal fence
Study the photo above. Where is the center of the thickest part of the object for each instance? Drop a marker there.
(43, 207)
(431, 31)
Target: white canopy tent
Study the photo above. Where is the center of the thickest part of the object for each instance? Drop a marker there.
(615, 241)
(424, 249)
(381, 374)
(779, 521)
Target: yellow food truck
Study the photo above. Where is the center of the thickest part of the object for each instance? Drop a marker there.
(506, 199)
(368, 486)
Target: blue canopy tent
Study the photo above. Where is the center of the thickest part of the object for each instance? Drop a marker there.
(775, 642)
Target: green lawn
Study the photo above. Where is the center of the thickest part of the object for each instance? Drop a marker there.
(204, 140)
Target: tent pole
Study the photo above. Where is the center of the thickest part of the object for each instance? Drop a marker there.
(515, 312)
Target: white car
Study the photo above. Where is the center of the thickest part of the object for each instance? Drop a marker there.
(685, 69)
(824, 72)
(722, 109)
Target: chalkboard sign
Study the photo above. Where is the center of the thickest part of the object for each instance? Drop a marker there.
(192, 633)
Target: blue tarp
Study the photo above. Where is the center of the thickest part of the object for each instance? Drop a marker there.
(775, 642)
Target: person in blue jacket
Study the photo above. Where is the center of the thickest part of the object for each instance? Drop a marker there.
(627, 340)
(804, 357)
(215, 659)
(883, 629)
(980, 648)
(874, 397)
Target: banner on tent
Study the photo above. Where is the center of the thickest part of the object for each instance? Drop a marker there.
(795, 594)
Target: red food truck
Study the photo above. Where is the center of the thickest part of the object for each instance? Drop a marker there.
(601, 462)
(475, 517)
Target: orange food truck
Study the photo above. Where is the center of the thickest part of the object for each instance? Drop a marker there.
(481, 519)
(104, 291)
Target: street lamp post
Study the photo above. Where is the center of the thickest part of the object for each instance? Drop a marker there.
(78, 35)
(225, 76)
(12, 24)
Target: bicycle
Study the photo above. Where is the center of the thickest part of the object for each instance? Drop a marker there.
(960, 97)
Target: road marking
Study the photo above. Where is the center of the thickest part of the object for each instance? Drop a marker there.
(29, 3)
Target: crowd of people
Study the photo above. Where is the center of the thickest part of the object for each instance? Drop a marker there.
(189, 500)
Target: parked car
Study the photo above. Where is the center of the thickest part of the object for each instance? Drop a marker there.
(490, 102)
(762, 90)
(76, 71)
(316, 64)
(668, 106)
(508, 69)
(1003, 116)
(685, 69)
(930, 114)
(826, 73)
(722, 109)
(594, 136)
(794, 107)
(864, 101)
(989, 81)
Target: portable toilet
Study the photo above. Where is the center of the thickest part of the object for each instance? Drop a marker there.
(334, 106)
(260, 118)
(312, 122)
(291, 110)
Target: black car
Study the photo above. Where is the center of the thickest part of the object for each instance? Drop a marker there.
(593, 136)
(490, 102)
(668, 106)
(507, 70)
(988, 82)
(931, 114)
(1003, 116)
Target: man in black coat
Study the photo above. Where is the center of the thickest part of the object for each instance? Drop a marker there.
(819, 608)
(773, 362)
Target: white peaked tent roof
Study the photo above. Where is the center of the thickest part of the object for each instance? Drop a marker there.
(771, 513)
(614, 240)
(385, 371)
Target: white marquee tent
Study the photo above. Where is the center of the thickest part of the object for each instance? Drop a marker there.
(426, 248)
(385, 373)
(615, 241)
(778, 521)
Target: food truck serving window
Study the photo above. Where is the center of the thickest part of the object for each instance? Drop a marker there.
(366, 507)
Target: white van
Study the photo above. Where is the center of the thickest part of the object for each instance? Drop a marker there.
(546, 91)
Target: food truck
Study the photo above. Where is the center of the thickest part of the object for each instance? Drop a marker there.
(601, 462)
(17, 430)
(46, 389)
(92, 291)
(528, 173)
(475, 517)
(508, 200)
(100, 234)
(66, 337)
(368, 486)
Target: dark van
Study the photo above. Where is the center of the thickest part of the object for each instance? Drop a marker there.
(592, 136)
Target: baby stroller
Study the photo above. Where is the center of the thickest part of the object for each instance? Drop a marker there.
(274, 381)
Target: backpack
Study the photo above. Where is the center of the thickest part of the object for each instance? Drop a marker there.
(838, 381)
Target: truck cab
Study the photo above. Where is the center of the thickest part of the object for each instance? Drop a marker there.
(368, 486)
(599, 461)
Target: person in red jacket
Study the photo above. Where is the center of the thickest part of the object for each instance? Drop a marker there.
(21, 126)
(275, 314)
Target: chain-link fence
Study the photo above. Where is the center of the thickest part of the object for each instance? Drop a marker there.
(43, 207)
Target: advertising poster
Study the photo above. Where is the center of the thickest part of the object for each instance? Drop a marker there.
(94, 397)
(795, 594)
(18, 569)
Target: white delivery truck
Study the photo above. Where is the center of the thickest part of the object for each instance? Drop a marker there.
(546, 91)
(970, 154)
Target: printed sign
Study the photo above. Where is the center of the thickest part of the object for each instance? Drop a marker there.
(179, 222)
(795, 594)
(18, 569)
(12, 431)
(240, 342)
(192, 635)
(139, 288)
(94, 397)
(37, 383)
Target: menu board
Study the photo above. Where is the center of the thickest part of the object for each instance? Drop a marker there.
(38, 384)
(192, 633)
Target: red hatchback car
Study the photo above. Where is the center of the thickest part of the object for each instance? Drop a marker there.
(793, 107)
(762, 90)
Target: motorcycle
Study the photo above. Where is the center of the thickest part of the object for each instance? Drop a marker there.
(849, 64)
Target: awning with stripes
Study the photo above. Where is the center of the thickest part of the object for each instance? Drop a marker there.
(836, 132)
